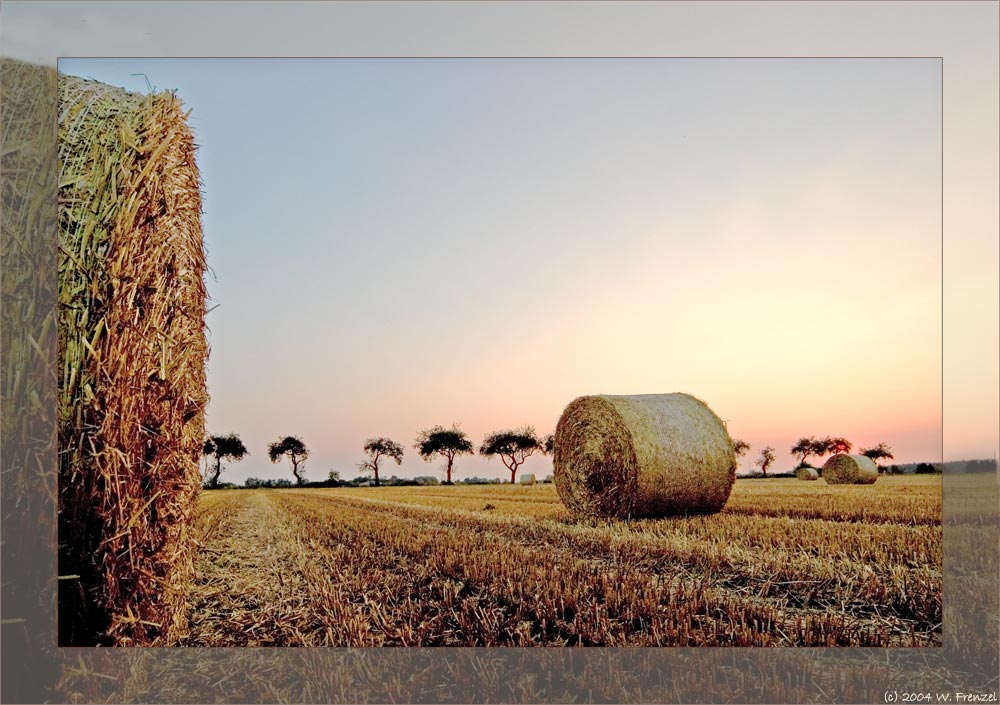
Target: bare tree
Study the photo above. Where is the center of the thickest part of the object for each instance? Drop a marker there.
(765, 460)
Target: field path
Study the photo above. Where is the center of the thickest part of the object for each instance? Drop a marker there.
(242, 574)
(255, 582)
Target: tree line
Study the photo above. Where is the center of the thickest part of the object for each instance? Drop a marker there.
(230, 448)
(811, 446)
(512, 446)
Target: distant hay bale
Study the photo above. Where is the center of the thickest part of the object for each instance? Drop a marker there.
(528, 479)
(132, 355)
(843, 469)
(807, 474)
(648, 455)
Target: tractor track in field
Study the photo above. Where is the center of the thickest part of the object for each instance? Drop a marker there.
(243, 576)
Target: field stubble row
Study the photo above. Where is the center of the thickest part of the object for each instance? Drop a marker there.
(508, 566)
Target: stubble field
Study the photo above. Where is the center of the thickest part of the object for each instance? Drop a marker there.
(786, 563)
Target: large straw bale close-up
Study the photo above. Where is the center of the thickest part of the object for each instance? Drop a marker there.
(132, 354)
(28, 355)
(843, 469)
(647, 455)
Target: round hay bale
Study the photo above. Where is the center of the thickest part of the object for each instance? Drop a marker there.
(843, 469)
(132, 354)
(807, 474)
(648, 455)
(27, 393)
(527, 478)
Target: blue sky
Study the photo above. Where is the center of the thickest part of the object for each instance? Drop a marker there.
(401, 243)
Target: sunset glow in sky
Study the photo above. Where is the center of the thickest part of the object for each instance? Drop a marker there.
(402, 243)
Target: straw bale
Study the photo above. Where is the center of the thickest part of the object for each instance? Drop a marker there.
(648, 455)
(27, 390)
(843, 469)
(132, 353)
(807, 474)
(527, 478)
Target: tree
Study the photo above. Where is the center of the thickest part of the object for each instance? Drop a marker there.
(988, 465)
(295, 450)
(765, 459)
(207, 450)
(925, 469)
(876, 453)
(228, 447)
(514, 446)
(548, 444)
(835, 444)
(445, 442)
(805, 447)
(378, 449)
(333, 476)
(740, 448)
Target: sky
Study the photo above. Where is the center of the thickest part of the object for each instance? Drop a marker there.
(400, 243)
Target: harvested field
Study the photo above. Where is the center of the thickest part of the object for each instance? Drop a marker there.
(786, 563)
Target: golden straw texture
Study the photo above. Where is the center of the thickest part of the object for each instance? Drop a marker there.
(27, 383)
(648, 455)
(132, 355)
(843, 469)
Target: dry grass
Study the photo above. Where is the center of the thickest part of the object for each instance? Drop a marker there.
(894, 500)
(432, 566)
(647, 455)
(132, 355)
